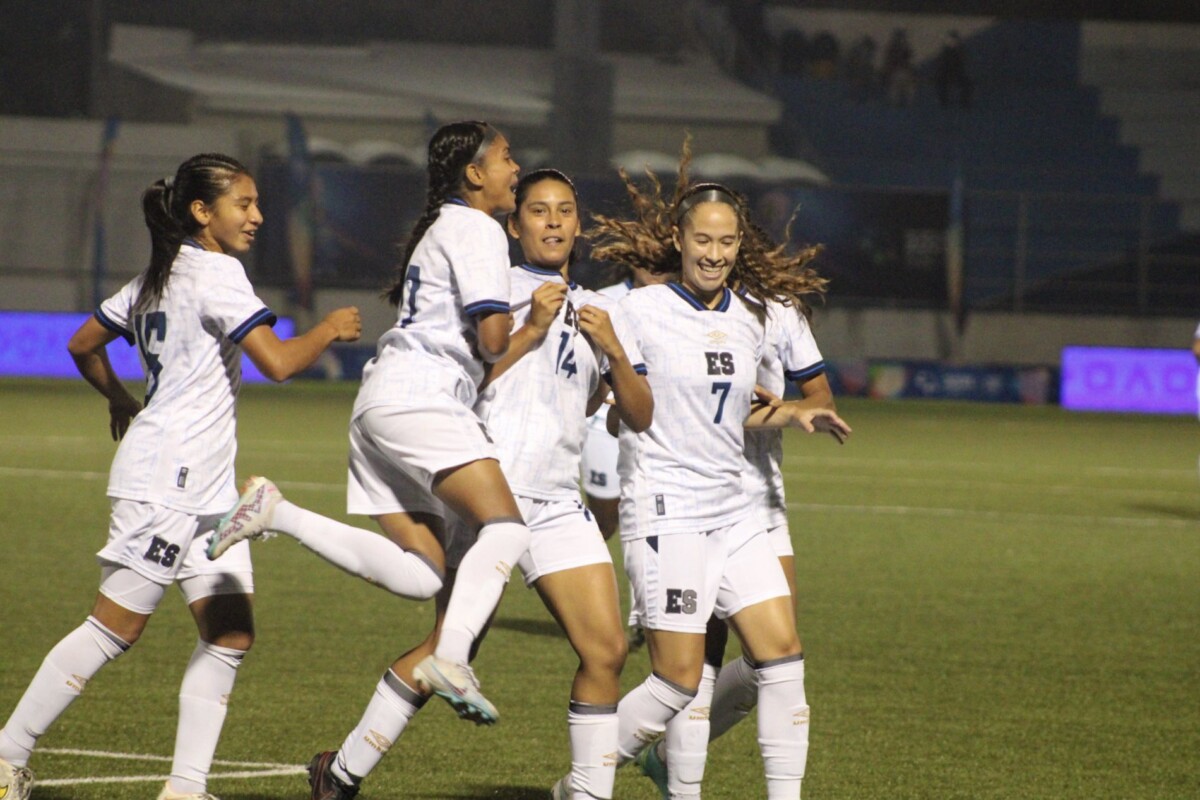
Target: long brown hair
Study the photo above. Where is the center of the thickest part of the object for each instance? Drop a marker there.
(764, 270)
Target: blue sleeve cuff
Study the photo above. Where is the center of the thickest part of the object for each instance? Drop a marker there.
(806, 374)
(264, 316)
(640, 369)
(487, 307)
(114, 327)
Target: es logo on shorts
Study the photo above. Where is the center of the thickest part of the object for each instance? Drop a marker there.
(681, 601)
(162, 553)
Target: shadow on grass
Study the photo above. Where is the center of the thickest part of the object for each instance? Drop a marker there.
(534, 627)
(1167, 510)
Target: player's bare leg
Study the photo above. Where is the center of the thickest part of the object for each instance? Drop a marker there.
(584, 602)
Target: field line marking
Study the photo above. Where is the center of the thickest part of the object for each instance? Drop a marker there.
(269, 773)
(258, 769)
(1031, 516)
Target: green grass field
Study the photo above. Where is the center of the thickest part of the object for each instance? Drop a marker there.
(996, 602)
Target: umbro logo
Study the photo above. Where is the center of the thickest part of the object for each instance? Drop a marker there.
(377, 741)
(77, 682)
(716, 337)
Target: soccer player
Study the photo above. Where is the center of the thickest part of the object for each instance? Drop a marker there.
(692, 545)
(191, 313)
(560, 363)
(417, 447)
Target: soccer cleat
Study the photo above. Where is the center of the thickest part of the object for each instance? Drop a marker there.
(249, 519)
(562, 789)
(325, 785)
(457, 684)
(654, 768)
(168, 793)
(16, 783)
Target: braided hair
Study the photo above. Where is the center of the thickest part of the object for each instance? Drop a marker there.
(764, 270)
(451, 150)
(167, 207)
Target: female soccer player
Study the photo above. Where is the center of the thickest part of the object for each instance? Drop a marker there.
(190, 313)
(692, 545)
(559, 365)
(416, 444)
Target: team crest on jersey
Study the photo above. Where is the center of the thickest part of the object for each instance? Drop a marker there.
(716, 337)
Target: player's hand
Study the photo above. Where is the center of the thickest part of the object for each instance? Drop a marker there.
(120, 413)
(544, 305)
(764, 398)
(346, 323)
(822, 420)
(596, 323)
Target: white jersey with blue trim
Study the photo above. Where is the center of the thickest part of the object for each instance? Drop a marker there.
(458, 270)
(791, 356)
(684, 474)
(598, 422)
(179, 450)
(536, 410)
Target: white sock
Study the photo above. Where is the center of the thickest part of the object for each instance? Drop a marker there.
(203, 701)
(593, 733)
(734, 697)
(368, 555)
(64, 673)
(687, 740)
(783, 726)
(644, 712)
(479, 586)
(392, 706)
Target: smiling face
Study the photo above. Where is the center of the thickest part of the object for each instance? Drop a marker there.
(229, 224)
(493, 178)
(546, 224)
(708, 240)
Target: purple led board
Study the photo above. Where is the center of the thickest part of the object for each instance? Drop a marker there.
(33, 344)
(1129, 379)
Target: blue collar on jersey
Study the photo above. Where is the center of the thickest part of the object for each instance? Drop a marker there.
(458, 201)
(629, 283)
(190, 242)
(698, 304)
(549, 273)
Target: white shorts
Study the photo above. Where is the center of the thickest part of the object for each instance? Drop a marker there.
(396, 452)
(598, 466)
(781, 541)
(563, 535)
(679, 580)
(165, 545)
(141, 595)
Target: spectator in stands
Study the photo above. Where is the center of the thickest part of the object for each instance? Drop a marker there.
(899, 78)
(753, 52)
(860, 68)
(823, 56)
(950, 73)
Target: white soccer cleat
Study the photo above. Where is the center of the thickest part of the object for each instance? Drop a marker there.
(249, 519)
(562, 790)
(16, 783)
(168, 793)
(457, 684)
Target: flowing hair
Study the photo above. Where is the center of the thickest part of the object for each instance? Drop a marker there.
(451, 150)
(167, 207)
(764, 270)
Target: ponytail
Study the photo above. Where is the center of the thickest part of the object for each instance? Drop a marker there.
(166, 206)
(451, 150)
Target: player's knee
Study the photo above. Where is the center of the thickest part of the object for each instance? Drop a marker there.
(427, 579)
(604, 654)
(233, 640)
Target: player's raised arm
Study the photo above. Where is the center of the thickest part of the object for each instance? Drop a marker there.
(280, 359)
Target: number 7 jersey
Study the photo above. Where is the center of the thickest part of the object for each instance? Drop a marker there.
(179, 451)
(684, 474)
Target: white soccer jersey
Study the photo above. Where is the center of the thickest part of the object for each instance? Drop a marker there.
(598, 422)
(684, 474)
(458, 270)
(536, 410)
(791, 355)
(179, 451)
